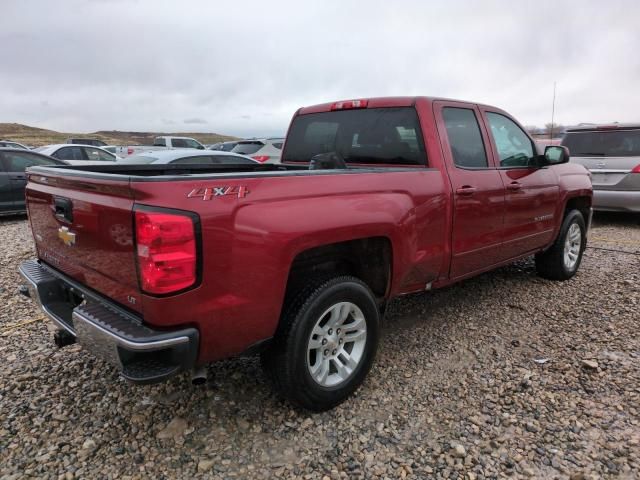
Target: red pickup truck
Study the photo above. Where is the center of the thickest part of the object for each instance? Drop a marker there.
(166, 268)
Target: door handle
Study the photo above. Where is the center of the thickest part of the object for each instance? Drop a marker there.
(514, 186)
(18, 177)
(466, 190)
(63, 209)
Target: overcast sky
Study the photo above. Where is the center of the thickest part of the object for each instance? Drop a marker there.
(243, 68)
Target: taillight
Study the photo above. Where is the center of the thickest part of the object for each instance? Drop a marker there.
(261, 158)
(166, 251)
(129, 151)
(636, 169)
(349, 104)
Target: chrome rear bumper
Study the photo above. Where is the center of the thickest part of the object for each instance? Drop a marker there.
(142, 354)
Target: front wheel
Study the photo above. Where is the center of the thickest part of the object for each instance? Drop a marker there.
(326, 343)
(562, 259)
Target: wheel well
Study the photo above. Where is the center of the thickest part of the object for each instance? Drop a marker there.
(368, 259)
(582, 204)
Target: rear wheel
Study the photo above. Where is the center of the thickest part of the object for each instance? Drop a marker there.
(562, 260)
(326, 343)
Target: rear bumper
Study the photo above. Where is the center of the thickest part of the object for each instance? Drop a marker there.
(143, 355)
(616, 200)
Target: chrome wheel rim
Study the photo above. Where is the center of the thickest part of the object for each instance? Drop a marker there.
(337, 344)
(572, 246)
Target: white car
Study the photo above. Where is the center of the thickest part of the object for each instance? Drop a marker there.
(160, 143)
(78, 154)
(264, 150)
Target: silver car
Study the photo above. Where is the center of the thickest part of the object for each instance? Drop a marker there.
(612, 155)
(187, 157)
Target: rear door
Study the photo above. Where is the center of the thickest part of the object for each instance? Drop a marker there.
(531, 193)
(478, 191)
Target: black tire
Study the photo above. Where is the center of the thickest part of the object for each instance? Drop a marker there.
(550, 263)
(285, 362)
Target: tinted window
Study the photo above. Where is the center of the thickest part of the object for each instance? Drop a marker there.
(278, 145)
(69, 153)
(515, 149)
(619, 143)
(247, 148)
(227, 147)
(191, 143)
(465, 138)
(159, 142)
(374, 135)
(18, 161)
(97, 155)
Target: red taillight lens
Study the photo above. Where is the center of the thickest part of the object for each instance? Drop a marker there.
(129, 151)
(166, 251)
(349, 104)
(636, 169)
(261, 158)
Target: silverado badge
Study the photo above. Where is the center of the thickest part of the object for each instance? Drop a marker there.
(68, 237)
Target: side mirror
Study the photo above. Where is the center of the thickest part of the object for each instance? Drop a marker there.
(556, 154)
(200, 147)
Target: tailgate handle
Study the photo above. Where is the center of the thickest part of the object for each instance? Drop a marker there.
(63, 208)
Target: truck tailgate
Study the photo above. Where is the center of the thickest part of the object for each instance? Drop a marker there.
(84, 228)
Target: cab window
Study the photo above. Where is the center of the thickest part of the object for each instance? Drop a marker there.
(515, 149)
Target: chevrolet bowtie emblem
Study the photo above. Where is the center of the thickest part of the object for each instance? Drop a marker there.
(69, 238)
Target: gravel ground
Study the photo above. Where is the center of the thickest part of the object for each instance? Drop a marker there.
(503, 375)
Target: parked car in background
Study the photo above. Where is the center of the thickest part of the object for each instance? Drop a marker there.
(13, 162)
(85, 141)
(223, 146)
(612, 155)
(12, 144)
(78, 154)
(264, 150)
(160, 143)
(187, 157)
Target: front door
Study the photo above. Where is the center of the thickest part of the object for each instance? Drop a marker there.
(478, 191)
(531, 192)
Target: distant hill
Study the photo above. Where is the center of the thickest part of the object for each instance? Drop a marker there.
(37, 137)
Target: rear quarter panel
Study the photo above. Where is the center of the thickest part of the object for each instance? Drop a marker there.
(250, 243)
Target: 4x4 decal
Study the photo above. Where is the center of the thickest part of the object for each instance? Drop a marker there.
(207, 193)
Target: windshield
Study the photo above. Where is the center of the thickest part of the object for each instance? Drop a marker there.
(607, 143)
(375, 135)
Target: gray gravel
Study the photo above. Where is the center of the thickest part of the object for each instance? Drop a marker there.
(504, 374)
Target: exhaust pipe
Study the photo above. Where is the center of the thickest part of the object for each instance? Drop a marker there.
(199, 375)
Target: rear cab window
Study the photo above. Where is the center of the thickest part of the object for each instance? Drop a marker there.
(388, 136)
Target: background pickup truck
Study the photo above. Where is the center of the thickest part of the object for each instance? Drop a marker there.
(159, 143)
(160, 269)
